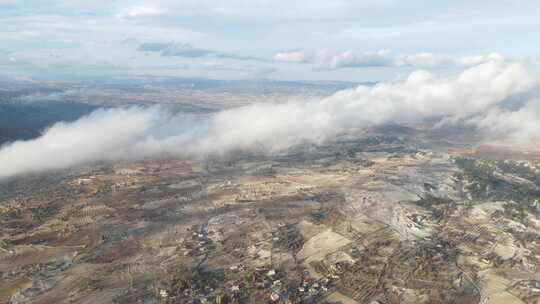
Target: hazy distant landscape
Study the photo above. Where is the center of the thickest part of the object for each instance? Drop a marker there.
(27, 109)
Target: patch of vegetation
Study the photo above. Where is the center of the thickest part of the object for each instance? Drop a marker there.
(484, 184)
(438, 206)
(290, 239)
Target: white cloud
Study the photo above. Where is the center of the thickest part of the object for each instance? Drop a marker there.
(521, 126)
(327, 59)
(479, 59)
(11, 61)
(421, 60)
(67, 144)
(290, 56)
(475, 96)
(140, 12)
(331, 60)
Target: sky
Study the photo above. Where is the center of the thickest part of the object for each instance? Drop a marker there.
(361, 40)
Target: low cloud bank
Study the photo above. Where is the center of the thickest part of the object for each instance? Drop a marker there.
(326, 59)
(478, 96)
(175, 49)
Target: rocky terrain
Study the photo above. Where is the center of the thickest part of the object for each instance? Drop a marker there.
(364, 219)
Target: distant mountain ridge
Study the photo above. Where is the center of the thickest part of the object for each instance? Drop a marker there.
(22, 121)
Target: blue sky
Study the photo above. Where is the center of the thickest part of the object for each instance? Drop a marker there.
(362, 40)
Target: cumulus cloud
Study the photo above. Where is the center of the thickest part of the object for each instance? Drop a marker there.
(476, 96)
(327, 59)
(188, 51)
(290, 56)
